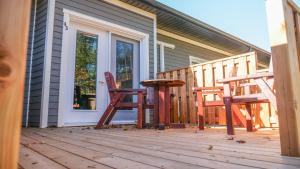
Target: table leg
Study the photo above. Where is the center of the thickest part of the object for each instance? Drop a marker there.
(162, 107)
(201, 121)
(156, 108)
(168, 106)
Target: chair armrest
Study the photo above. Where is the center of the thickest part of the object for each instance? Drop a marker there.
(208, 88)
(247, 77)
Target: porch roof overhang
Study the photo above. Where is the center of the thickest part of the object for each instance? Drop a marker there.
(176, 22)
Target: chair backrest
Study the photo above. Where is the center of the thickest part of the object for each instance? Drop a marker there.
(110, 81)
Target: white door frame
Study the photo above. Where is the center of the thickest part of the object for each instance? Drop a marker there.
(70, 17)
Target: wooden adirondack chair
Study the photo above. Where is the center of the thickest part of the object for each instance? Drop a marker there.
(263, 80)
(201, 92)
(117, 97)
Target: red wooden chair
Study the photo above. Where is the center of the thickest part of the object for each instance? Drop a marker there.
(117, 97)
(201, 92)
(263, 80)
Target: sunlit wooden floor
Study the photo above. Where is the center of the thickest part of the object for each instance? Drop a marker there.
(84, 147)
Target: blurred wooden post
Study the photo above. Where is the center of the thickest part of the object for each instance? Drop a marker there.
(282, 25)
(14, 24)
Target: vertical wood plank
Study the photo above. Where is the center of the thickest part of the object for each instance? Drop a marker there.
(170, 101)
(199, 83)
(220, 111)
(287, 75)
(297, 27)
(162, 108)
(140, 110)
(156, 107)
(192, 110)
(175, 99)
(14, 24)
(209, 83)
(183, 111)
(167, 104)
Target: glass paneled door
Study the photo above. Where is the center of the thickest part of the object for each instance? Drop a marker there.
(125, 67)
(86, 95)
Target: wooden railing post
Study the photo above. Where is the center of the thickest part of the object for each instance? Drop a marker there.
(14, 24)
(281, 24)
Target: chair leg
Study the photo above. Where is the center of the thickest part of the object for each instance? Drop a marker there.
(200, 110)
(110, 117)
(140, 111)
(227, 102)
(109, 110)
(249, 118)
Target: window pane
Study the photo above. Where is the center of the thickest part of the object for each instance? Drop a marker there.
(124, 66)
(85, 72)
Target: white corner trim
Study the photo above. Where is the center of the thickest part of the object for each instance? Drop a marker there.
(196, 59)
(30, 65)
(155, 48)
(131, 8)
(47, 64)
(162, 58)
(175, 36)
(144, 59)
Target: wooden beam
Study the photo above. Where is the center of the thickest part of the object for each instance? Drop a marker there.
(14, 24)
(281, 24)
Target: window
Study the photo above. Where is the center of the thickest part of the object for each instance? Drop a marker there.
(195, 60)
(85, 72)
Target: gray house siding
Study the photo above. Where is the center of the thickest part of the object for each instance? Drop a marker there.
(179, 57)
(37, 64)
(97, 9)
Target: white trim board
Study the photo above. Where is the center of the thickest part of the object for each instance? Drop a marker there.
(168, 45)
(47, 64)
(175, 36)
(79, 18)
(105, 25)
(131, 8)
(162, 46)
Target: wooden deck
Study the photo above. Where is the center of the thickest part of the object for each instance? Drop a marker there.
(84, 147)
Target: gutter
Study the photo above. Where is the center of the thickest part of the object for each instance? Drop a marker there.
(179, 14)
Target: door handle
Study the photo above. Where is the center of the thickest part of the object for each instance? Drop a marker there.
(101, 82)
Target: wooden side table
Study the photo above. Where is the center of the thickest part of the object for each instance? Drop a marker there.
(162, 107)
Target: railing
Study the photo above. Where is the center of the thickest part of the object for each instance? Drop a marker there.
(205, 75)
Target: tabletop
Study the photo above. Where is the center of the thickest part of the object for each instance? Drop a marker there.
(162, 82)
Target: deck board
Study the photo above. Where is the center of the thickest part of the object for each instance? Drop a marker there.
(181, 148)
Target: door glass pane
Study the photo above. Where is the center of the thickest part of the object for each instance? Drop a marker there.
(85, 72)
(124, 66)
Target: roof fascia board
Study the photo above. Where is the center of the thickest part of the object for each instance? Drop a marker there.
(131, 8)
